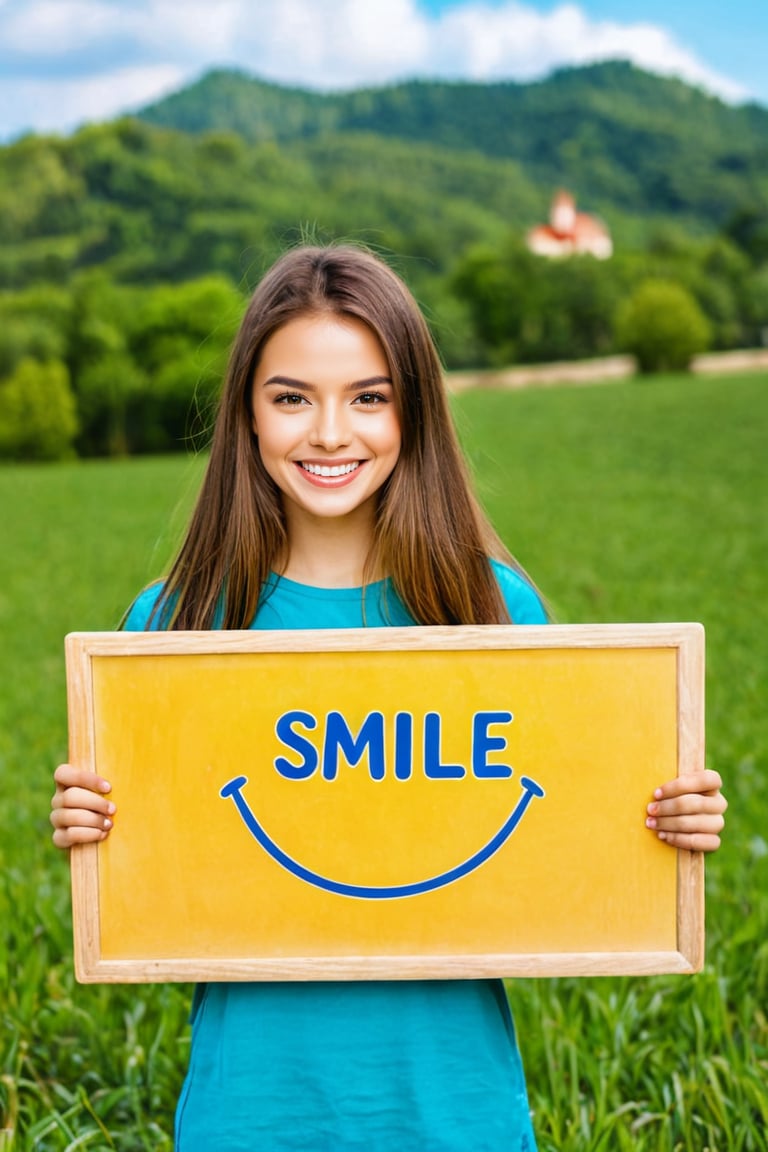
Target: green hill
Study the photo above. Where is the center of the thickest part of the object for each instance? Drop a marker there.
(625, 139)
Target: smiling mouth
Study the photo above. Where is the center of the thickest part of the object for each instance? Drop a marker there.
(330, 471)
(234, 788)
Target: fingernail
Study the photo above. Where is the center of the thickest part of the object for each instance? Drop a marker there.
(111, 809)
(653, 809)
(650, 822)
(658, 793)
(107, 824)
(662, 835)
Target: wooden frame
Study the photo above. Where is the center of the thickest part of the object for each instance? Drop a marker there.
(602, 714)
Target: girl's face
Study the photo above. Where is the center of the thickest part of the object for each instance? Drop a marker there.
(325, 416)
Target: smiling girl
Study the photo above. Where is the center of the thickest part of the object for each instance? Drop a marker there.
(336, 496)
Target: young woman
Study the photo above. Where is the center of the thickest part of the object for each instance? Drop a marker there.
(336, 496)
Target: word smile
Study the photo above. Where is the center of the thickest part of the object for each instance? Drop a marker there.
(338, 738)
(370, 739)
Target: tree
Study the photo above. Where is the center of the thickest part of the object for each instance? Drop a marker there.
(757, 304)
(663, 326)
(38, 420)
(502, 289)
(106, 389)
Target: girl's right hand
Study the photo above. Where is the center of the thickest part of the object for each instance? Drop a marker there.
(80, 810)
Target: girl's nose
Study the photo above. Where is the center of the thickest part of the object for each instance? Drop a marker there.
(331, 428)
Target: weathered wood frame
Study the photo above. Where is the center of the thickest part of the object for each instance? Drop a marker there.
(687, 956)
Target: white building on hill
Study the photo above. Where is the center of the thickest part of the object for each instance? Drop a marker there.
(570, 232)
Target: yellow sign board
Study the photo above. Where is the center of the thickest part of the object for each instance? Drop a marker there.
(385, 803)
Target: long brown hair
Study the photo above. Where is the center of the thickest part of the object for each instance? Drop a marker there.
(431, 536)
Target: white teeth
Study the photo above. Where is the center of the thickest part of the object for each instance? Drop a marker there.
(330, 470)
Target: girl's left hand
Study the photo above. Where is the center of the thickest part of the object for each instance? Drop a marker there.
(688, 811)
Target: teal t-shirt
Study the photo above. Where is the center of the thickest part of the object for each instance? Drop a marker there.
(417, 1066)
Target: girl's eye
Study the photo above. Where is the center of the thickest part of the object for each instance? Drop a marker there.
(290, 399)
(370, 398)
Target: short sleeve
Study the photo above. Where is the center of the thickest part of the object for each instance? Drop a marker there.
(523, 602)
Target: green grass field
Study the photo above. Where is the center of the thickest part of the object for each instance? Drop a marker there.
(636, 501)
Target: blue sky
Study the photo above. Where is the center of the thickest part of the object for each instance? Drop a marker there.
(65, 62)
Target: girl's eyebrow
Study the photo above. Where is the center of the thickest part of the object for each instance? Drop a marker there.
(304, 386)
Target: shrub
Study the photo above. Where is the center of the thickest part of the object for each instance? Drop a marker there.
(663, 326)
(38, 420)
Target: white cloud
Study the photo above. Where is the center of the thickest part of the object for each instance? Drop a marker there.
(46, 28)
(335, 43)
(138, 49)
(200, 31)
(57, 105)
(49, 28)
(575, 39)
(517, 42)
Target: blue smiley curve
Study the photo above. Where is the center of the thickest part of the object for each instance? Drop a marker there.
(234, 788)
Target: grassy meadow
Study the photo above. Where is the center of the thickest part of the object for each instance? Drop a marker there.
(640, 501)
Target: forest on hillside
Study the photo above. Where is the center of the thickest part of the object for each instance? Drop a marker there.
(628, 141)
(128, 248)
